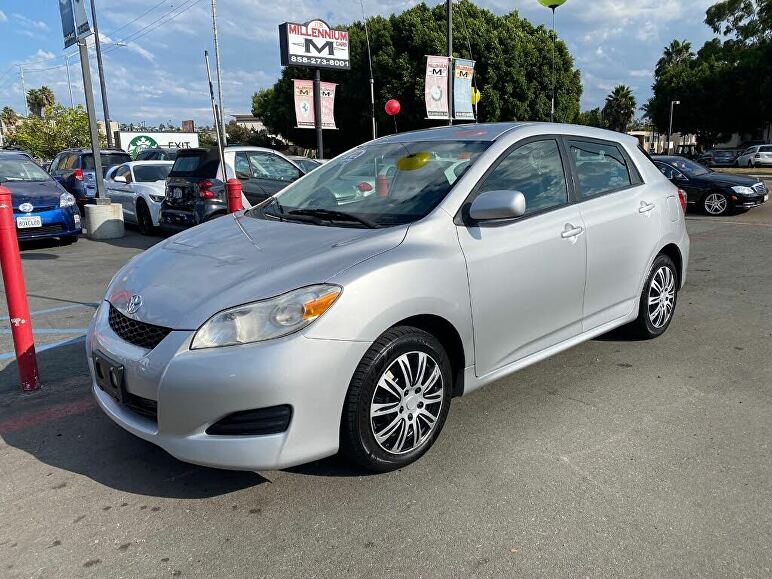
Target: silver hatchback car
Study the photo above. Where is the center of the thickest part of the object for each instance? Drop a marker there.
(344, 313)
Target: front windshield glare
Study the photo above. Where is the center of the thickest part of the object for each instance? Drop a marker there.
(691, 168)
(376, 185)
(21, 170)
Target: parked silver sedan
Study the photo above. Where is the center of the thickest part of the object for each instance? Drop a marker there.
(303, 327)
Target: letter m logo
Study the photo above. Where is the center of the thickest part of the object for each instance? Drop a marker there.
(328, 46)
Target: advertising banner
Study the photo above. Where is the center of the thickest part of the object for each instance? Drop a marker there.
(304, 104)
(313, 44)
(81, 21)
(463, 70)
(74, 21)
(436, 90)
(327, 91)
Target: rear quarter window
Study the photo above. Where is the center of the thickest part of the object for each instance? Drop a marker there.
(601, 168)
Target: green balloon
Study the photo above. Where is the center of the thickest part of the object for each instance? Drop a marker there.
(552, 3)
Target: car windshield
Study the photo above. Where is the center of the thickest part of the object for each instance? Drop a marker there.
(150, 173)
(691, 168)
(376, 185)
(307, 165)
(21, 170)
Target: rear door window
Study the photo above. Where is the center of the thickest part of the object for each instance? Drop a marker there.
(765, 149)
(108, 160)
(269, 166)
(600, 168)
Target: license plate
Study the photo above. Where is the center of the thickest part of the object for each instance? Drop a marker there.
(109, 376)
(176, 193)
(27, 222)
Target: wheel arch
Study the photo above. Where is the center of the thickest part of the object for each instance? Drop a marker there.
(674, 253)
(451, 341)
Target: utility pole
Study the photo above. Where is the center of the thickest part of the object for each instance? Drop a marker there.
(221, 128)
(670, 128)
(23, 90)
(370, 61)
(449, 5)
(101, 198)
(102, 87)
(554, 40)
(69, 84)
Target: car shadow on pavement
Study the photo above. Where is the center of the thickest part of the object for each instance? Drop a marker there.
(62, 427)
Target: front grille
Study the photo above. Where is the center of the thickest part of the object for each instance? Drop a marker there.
(37, 209)
(257, 422)
(136, 332)
(57, 228)
(142, 406)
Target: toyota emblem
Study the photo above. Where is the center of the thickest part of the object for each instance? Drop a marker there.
(134, 304)
(26, 207)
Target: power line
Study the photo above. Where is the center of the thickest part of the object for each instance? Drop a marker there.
(130, 22)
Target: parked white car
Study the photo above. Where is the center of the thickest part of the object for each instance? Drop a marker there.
(756, 156)
(139, 187)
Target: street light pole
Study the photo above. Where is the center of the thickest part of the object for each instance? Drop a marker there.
(23, 91)
(670, 128)
(370, 61)
(69, 84)
(101, 198)
(218, 72)
(102, 86)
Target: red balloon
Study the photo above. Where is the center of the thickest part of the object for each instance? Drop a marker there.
(392, 107)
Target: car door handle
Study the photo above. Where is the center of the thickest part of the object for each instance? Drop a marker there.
(645, 207)
(571, 231)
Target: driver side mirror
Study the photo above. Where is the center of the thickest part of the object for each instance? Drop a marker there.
(493, 205)
(242, 176)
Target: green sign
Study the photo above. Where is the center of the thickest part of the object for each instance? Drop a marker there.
(139, 143)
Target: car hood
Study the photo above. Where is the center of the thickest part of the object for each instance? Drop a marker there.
(728, 180)
(229, 261)
(38, 193)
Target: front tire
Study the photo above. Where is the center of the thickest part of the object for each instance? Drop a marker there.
(716, 203)
(398, 400)
(144, 220)
(658, 300)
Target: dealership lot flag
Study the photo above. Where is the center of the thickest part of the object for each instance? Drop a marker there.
(74, 21)
(436, 90)
(304, 104)
(463, 70)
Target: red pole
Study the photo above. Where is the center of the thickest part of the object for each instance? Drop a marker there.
(233, 187)
(16, 293)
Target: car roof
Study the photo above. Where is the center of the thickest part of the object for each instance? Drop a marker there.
(88, 150)
(15, 155)
(145, 163)
(493, 131)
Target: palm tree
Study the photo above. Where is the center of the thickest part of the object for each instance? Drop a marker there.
(8, 117)
(620, 108)
(40, 98)
(676, 53)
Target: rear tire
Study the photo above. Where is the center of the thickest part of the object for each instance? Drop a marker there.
(398, 400)
(658, 299)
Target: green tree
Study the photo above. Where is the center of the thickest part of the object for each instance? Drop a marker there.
(8, 117)
(591, 118)
(677, 53)
(619, 109)
(57, 128)
(749, 21)
(238, 134)
(513, 72)
(40, 98)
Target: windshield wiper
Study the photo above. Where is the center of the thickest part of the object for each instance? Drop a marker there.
(332, 215)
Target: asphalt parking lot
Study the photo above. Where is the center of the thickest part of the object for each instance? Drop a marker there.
(615, 458)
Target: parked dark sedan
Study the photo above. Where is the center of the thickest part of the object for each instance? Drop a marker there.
(718, 158)
(41, 206)
(712, 192)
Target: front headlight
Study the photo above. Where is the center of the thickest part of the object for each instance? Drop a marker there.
(157, 198)
(743, 190)
(66, 200)
(267, 319)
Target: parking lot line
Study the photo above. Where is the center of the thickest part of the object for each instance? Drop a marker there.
(58, 309)
(43, 348)
(51, 330)
(724, 221)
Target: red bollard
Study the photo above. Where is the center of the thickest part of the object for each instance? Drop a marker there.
(16, 293)
(233, 188)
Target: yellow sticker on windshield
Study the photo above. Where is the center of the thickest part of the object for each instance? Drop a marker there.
(414, 161)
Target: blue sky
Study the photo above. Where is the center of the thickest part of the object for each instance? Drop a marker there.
(159, 75)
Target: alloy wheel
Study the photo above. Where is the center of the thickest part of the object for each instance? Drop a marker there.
(662, 294)
(407, 403)
(715, 203)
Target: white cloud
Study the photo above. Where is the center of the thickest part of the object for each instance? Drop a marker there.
(3, 17)
(641, 73)
(30, 24)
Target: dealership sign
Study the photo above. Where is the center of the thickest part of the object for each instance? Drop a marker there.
(304, 104)
(436, 87)
(314, 44)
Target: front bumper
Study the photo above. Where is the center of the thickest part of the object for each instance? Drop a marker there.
(58, 222)
(749, 201)
(196, 388)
